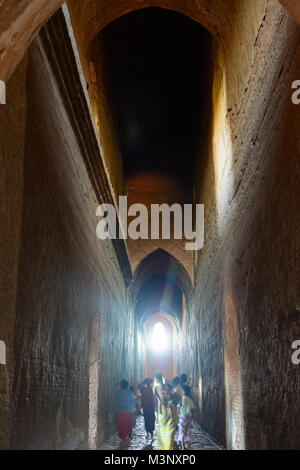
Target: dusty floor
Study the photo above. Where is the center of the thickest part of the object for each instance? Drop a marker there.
(200, 440)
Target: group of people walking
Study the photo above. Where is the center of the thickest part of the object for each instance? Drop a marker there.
(168, 403)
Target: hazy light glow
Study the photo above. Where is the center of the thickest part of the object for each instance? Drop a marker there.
(159, 338)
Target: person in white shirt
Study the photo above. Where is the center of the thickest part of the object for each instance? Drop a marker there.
(177, 389)
(186, 408)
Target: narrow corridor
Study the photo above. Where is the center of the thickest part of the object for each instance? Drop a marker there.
(200, 440)
(149, 221)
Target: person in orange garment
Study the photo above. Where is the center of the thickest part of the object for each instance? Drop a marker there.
(125, 404)
(147, 401)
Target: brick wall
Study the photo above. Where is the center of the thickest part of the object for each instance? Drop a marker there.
(65, 276)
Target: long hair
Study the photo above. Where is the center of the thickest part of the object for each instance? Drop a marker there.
(148, 382)
(163, 400)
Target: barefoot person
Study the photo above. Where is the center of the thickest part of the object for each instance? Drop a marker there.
(177, 389)
(157, 389)
(147, 401)
(125, 405)
(186, 407)
(167, 419)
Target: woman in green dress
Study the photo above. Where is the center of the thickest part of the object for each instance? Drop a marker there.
(167, 419)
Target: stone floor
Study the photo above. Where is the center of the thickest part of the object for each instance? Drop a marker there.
(200, 440)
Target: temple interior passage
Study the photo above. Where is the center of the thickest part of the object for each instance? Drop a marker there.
(150, 224)
(200, 440)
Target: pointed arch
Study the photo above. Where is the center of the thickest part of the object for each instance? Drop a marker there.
(176, 285)
(161, 262)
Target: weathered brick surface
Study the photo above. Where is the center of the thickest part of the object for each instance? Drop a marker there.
(55, 275)
(12, 139)
(246, 288)
(65, 277)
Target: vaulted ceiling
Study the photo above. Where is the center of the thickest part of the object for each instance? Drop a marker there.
(158, 60)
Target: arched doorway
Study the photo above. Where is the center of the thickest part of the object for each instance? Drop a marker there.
(160, 346)
(162, 295)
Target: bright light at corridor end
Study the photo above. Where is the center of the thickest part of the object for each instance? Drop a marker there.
(159, 341)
